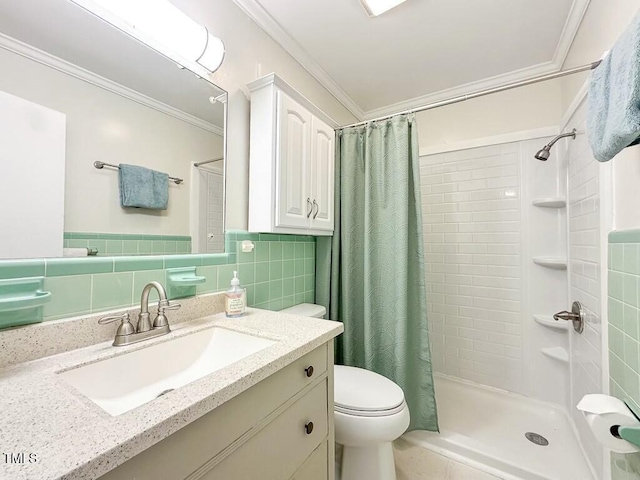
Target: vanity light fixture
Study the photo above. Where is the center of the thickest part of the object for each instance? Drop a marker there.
(378, 7)
(163, 27)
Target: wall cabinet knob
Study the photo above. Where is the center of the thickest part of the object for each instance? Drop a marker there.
(309, 371)
(308, 428)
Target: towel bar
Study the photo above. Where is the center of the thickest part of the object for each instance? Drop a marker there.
(100, 165)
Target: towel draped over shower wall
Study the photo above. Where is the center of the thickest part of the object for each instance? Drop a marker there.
(370, 275)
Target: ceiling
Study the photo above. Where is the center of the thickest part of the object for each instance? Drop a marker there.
(422, 50)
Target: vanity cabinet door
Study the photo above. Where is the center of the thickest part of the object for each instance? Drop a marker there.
(293, 202)
(200, 445)
(281, 447)
(322, 181)
(315, 468)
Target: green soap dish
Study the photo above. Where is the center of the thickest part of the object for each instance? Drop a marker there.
(22, 301)
(12, 304)
(182, 282)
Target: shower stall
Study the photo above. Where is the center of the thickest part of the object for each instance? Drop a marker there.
(510, 241)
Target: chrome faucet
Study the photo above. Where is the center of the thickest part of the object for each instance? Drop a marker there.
(127, 334)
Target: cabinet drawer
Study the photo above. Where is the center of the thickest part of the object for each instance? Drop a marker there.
(317, 465)
(279, 449)
(205, 438)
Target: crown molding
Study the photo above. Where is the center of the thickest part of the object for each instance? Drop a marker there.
(281, 84)
(254, 10)
(20, 48)
(264, 20)
(570, 30)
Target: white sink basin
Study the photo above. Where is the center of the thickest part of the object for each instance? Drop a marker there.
(122, 383)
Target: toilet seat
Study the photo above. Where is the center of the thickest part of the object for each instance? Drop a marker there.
(363, 393)
(370, 413)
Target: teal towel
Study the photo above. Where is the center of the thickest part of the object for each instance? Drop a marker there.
(613, 120)
(143, 188)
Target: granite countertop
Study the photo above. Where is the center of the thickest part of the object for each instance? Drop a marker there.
(64, 435)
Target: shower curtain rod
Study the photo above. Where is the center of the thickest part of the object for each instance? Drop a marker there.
(207, 161)
(482, 93)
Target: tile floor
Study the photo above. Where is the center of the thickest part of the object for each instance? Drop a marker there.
(417, 463)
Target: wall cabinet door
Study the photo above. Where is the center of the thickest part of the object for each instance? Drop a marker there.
(294, 151)
(291, 162)
(322, 181)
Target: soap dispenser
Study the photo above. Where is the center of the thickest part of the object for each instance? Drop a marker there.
(236, 298)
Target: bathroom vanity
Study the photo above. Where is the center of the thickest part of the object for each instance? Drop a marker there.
(278, 429)
(268, 415)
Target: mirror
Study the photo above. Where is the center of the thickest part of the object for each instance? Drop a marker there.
(76, 93)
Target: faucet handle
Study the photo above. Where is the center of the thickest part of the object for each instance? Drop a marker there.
(114, 318)
(161, 319)
(168, 306)
(125, 328)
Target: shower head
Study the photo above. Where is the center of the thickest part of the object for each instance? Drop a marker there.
(545, 153)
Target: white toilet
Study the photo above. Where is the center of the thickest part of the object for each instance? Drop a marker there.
(370, 412)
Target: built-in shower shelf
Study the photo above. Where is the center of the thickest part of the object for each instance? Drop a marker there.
(557, 353)
(556, 263)
(551, 202)
(549, 322)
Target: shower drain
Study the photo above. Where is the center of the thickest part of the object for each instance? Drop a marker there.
(537, 439)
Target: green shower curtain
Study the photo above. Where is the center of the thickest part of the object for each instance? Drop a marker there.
(370, 275)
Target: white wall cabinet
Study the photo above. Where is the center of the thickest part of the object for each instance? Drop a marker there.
(264, 433)
(292, 157)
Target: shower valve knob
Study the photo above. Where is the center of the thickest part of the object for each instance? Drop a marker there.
(575, 316)
(564, 315)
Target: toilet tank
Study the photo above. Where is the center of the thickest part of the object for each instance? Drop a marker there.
(306, 310)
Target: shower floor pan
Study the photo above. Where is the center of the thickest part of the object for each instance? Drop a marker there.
(485, 428)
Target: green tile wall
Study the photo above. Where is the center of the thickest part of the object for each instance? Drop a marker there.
(116, 244)
(279, 273)
(624, 334)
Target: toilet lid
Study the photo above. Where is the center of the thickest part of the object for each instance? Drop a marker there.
(363, 392)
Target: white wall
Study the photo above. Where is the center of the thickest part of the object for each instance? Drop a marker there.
(527, 108)
(104, 126)
(250, 53)
(471, 221)
(584, 208)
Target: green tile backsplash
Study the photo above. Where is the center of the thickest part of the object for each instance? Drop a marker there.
(279, 273)
(624, 334)
(110, 244)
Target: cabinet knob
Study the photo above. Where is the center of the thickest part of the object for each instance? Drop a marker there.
(309, 371)
(308, 428)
